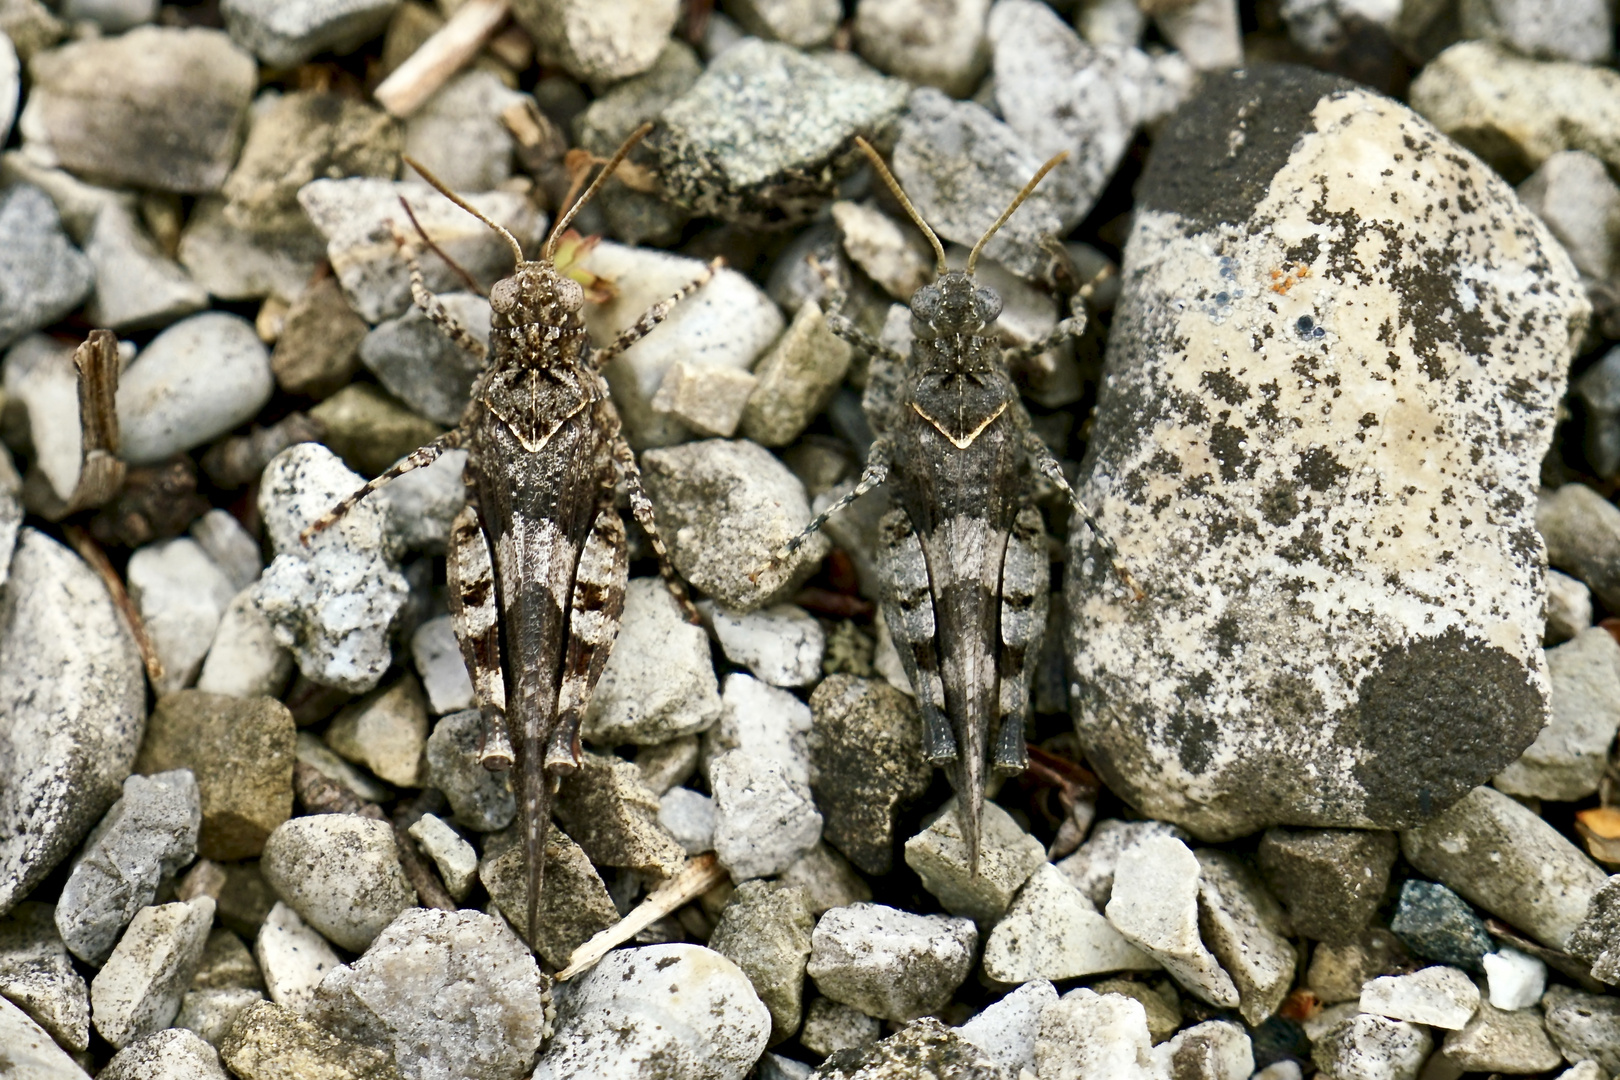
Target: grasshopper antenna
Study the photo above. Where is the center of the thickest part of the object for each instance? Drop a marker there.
(567, 217)
(443, 189)
(894, 186)
(1029, 189)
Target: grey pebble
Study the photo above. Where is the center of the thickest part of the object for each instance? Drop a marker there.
(574, 906)
(39, 375)
(458, 135)
(939, 45)
(1338, 971)
(182, 595)
(235, 264)
(359, 218)
(1582, 532)
(439, 662)
(194, 382)
(1007, 857)
(172, 121)
(137, 285)
(1366, 1045)
(293, 958)
(42, 275)
(1212, 1050)
(802, 23)
(664, 765)
(418, 364)
(1598, 389)
(621, 1019)
(963, 167)
(1567, 760)
(284, 34)
(889, 963)
(310, 750)
(866, 765)
(1209, 33)
(424, 502)
(1245, 928)
(316, 352)
(1497, 1041)
(1330, 880)
(72, 709)
(232, 547)
(572, 35)
(1490, 849)
(796, 379)
(149, 833)
(765, 930)
(830, 1027)
(172, 1054)
(1006, 1029)
(10, 86)
(341, 873)
(331, 602)
(1051, 931)
(138, 990)
(762, 135)
(267, 1035)
(614, 819)
(1091, 867)
(764, 823)
(30, 1051)
(448, 993)
(923, 1048)
(1572, 193)
(386, 731)
(777, 1067)
(1585, 1026)
(482, 800)
(1121, 22)
(456, 859)
(689, 817)
(828, 879)
(1597, 939)
(1578, 30)
(37, 975)
(659, 680)
(245, 659)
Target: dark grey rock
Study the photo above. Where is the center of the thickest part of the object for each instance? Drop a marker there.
(610, 814)
(1435, 922)
(149, 833)
(317, 351)
(42, 275)
(422, 367)
(1597, 939)
(679, 1010)
(1586, 1027)
(1330, 880)
(1500, 855)
(482, 800)
(172, 119)
(1273, 503)
(963, 167)
(448, 993)
(72, 709)
(1582, 532)
(866, 764)
(764, 135)
(284, 34)
(765, 930)
(923, 1050)
(1598, 389)
(37, 975)
(574, 906)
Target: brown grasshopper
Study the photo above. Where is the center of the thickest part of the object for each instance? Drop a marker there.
(544, 454)
(962, 557)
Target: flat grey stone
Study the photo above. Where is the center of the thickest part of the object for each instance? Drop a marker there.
(796, 379)
(458, 135)
(803, 23)
(438, 659)
(659, 680)
(1582, 531)
(42, 275)
(765, 930)
(38, 976)
(31, 1051)
(138, 990)
(1441, 997)
(828, 880)
(1510, 862)
(1243, 926)
(212, 1013)
(1586, 1027)
(1573, 194)
(889, 963)
(284, 35)
(1567, 759)
(1091, 867)
(341, 873)
(782, 645)
(333, 601)
(182, 596)
(765, 721)
(1338, 970)
(448, 993)
(482, 800)
(1497, 1041)
(173, 1054)
(621, 1019)
(423, 503)
(456, 859)
(386, 731)
(233, 549)
(1051, 931)
(149, 833)
(194, 382)
(137, 285)
(418, 364)
(245, 659)
(267, 1035)
(234, 263)
(72, 709)
(764, 134)
(1597, 939)
(1271, 503)
(830, 1027)
(573, 907)
(1007, 857)
(610, 814)
(939, 45)
(171, 121)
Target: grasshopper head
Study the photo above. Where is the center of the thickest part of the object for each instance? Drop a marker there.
(953, 304)
(535, 293)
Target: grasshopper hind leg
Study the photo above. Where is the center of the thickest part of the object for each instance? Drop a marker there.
(475, 614)
(596, 606)
(908, 609)
(1026, 582)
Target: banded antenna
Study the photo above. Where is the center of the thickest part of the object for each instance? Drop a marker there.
(894, 186)
(444, 189)
(563, 220)
(1018, 200)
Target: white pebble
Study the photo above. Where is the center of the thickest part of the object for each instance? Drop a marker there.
(889, 963)
(195, 381)
(1091, 1036)
(1438, 996)
(182, 595)
(439, 662)
(455, 858)
(1516, 980)
(781, 645)
(1006, 1031)
(763, 822)
(1052, 932)
(1154, 904)
(293, 958)
(765, 721)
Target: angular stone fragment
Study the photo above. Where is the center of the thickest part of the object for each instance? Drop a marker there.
(172, 120)
(1497, 1041)
(1155, 906)
(1441, 997)
(149, 833)
(1491, 849)
(1597, 939)
(31, 1051)
(1371, 1046)
(456, 859)
(764, 721)
(212, 1013)
(830, 1027)
(1582, 530)
(1242, 925)
(708, 400)
(72, 709)
(341, 873)
(574, 906)
(270, 1042)
(765, 930)
(598, 41)
(37, 974)
(241, 752)
(1007, 857)
(1435, 922)
(1338, 970)
(1567, 759)
(682, 1010)
(1585, 1026)
(889, 963)
(922, 1050)
(1515, 979)
(1213, 1050)
(1006, 1030)
(172, 1054)
(1247, 300)
(42, 275)
(764, 135)
(386, 731)
(418, 364)
(482, 800)
(1091, 868)
(828, 879)
(659, 681)
(1085, 1035)
(797, 379)
(292, 957)
(138, 990)
(865, 764)
(181, 595)
(1331, 881)
(764, 822)
(614, 819)
(1573, 194)
(1053, 932)
(449, 993)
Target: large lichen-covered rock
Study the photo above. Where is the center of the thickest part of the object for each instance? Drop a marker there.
(1331, 381)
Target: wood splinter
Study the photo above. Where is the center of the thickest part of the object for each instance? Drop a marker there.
(449, 50)
(696, 878)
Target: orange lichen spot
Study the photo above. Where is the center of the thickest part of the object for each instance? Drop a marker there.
(1286, 278)
(1300, 1005)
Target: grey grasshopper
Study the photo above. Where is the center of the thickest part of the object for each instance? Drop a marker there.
(962, 556)
(537, 562)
